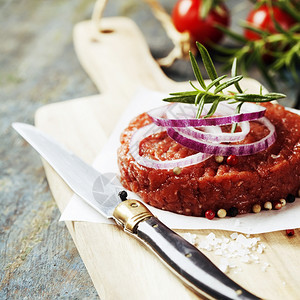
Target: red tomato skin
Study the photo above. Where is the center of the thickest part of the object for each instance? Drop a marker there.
(261, 18)
(186, 16)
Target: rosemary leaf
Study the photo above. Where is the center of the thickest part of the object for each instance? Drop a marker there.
(197, 98)
(237, 111)
(234, 68)
(232, 34)
(275, 96)
(200, 107)
(214, 82)
(225, 50)
(208, 64)
(196, 70)
(277, 26)
(261, 32)
(233, 101)
(205, 8)
(213, 108)
(228, 83)
(234, 73)
(188, 93)
(201, 97)
(190, 99)
(290, 9)
(191, 83)
(258, 98)
(295, 28)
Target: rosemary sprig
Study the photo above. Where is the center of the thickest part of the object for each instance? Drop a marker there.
(273, 53)
(199, 96)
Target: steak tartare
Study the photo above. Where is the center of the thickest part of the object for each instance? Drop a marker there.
(216, 184)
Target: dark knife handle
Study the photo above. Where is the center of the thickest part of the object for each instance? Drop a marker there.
(187, 261)
(196, 270)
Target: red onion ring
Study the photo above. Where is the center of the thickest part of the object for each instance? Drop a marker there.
(157, 164)
(249, 112)
(216, 134)
(208, 141)
(221, 149)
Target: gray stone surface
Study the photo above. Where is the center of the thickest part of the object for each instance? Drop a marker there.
(38, 66)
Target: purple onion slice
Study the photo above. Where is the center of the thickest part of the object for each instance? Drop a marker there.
(145, 131)
(223, 149)
(179, 122)
(215, 134)
(183, 115)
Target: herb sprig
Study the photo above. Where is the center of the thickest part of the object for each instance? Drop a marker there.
(205, 94)
(273, 53)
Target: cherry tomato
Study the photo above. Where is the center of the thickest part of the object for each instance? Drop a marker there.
(261, 18)
(186, 16)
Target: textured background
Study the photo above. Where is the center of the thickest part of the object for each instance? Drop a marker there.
(38, 66)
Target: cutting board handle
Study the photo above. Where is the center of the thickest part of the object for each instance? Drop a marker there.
(118, 59)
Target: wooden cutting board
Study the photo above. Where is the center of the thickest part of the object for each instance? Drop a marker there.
(118, 61)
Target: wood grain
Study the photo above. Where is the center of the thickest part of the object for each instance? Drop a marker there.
(119, 266)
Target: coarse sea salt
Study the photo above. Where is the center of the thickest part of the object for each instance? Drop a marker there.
(238, 246)
(191, 238)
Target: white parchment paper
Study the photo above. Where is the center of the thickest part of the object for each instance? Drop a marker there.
(266, 221)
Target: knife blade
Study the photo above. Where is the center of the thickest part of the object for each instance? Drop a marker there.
(101, 192)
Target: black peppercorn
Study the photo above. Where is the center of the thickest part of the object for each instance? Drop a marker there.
(290, 198)
(123, 195)
(233, 212)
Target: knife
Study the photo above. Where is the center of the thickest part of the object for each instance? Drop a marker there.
(101, 193)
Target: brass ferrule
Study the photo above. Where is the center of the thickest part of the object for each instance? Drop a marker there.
(130, 212)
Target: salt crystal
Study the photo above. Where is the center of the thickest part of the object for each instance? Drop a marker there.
(260, 249)
(203, 244)
(191, 238)
(243, 252)
(211, 236)
(223, 266)
(237, 246)
(224, 246)
(218, 241)
(234, 235)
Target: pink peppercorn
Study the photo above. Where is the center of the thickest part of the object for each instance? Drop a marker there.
(232, 160)
(209, 214)
(290, 232)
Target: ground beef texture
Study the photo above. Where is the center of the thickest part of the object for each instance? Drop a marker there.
(269, 175)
